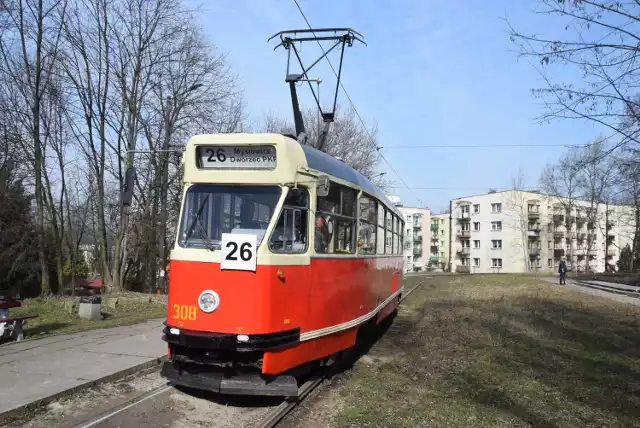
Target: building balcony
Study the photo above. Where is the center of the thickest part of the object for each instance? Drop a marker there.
(417, 251)
(435, 244)
(558, 218)
(610, 224)
(417, 238)
(463, 234)
(558, 252)
(463, 269)
(558, 233)
(580, 236)
(611, 253)
(434, 259)
(534, 252)
(533, 233)
(464, 251)
(533, 214)
(435, 227)
(463, 216)
(434, 237)
(417, 225)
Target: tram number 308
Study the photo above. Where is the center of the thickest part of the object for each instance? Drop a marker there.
(184, 312)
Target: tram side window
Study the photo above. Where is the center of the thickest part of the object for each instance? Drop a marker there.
(290, 233)
(381, 229)
(389, 236)
(335, 221)
(399, 236)
(367, 227)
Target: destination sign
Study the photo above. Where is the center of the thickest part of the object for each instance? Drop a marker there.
(237, 157)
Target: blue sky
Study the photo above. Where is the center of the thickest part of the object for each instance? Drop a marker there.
(434, 72)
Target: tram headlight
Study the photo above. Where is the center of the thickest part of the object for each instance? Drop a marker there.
(208, 301)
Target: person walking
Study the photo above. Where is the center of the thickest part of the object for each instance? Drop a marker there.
(562, 270)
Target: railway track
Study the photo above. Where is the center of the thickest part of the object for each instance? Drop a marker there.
(271, 419)
(285, 407)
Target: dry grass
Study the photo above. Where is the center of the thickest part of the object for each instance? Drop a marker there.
(498, 351)
(55, 317)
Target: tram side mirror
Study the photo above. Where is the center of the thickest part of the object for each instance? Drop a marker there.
(127, 191)
(322, 187)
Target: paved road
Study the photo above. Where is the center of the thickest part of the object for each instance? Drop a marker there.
(37, 369)
(613, 296)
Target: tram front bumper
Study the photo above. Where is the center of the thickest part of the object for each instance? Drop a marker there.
(240, 384)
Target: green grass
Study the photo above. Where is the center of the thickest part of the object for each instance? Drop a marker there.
(498, 351)
(56, 319)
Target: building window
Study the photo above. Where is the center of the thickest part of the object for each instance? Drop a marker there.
(550, 262)
(550, 244)
(476, 226)
(496, 244)
(476, 244)
(496, 263)
(476, 208)
(464, 209)
(496, 208)
(367, 230)
(335, 221)
(496, 226)
(466, 262)
(465, 227)
(442, 254)
(466, 243)
(476, 262)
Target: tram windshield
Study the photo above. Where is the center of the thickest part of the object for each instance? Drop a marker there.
(211, 210)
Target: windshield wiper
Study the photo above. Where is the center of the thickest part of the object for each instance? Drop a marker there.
(196, 221)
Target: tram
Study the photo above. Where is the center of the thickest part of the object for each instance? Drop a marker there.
(283, 254)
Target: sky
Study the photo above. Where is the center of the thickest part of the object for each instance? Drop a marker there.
(434, 72)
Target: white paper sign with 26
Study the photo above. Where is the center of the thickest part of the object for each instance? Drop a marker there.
(239, 251)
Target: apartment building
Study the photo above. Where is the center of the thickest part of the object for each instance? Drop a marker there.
(439, 241)
(516, 231)
(416, 236)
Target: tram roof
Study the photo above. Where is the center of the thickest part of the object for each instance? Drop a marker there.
(328, 164)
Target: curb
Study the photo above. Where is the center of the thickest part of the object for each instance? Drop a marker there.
(34, 405)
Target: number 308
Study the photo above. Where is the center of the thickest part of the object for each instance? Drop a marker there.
(184, 312)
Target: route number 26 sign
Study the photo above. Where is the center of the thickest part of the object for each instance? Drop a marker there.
(239, 251)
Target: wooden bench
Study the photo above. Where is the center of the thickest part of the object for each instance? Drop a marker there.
(13, 326)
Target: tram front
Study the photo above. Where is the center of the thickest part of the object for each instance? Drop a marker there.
(235, 300)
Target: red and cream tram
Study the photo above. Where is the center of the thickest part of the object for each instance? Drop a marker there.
(282, 253)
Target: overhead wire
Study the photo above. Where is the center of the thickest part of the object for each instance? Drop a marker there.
(356, 110)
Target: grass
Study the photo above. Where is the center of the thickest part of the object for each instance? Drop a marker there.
(498, 351)
(55, 318)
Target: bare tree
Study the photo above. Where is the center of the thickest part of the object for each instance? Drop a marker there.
(29, 52)
(600, 48)
(517, 211)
